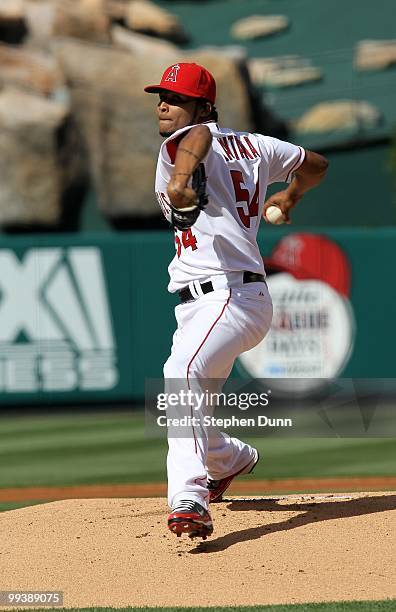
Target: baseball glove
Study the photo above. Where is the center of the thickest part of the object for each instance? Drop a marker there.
(184, 218)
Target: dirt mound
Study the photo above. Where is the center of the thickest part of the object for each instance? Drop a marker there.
(118, 552)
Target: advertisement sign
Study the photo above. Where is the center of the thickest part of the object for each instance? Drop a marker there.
(313, 327)
(56, 330)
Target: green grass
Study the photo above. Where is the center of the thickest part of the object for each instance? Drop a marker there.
(4, 506)
(78, 448)
(67, 449)
(342, 606)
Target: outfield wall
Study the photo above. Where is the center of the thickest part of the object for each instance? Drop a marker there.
(88, 317)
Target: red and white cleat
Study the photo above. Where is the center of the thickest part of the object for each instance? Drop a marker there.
(191, 518)
(216, 488)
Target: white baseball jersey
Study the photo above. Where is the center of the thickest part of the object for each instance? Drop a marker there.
(239, 167)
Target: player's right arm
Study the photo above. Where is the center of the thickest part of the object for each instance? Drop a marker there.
(310, 174)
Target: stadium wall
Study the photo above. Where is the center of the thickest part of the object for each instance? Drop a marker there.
(87, 318)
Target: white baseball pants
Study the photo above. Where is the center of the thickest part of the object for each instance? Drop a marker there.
(212, 331)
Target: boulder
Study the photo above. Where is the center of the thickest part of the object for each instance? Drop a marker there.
(29, 69)
(12, 21)
(36, 164)
(163, 52)
(258, 26)
(338, 115)
(85, 19)
(12, 9)
(375, 54)
(117, 10)
(40, 19)
(118, 120)
(147, 17)
(294, 76)
(282, 71)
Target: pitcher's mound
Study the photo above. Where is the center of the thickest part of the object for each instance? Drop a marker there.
(267, 550)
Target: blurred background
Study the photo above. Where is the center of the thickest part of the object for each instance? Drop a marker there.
(85, 317)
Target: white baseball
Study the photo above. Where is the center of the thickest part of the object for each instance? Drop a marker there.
(274, 215)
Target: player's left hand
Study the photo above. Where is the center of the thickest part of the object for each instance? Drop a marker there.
(282, 200)
(180, 195)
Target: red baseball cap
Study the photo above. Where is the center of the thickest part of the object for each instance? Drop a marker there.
(187, 79)
(308, 256)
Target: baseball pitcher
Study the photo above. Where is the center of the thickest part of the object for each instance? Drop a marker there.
(211, 184)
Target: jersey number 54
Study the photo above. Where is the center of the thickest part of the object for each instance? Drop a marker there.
(187, 240)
